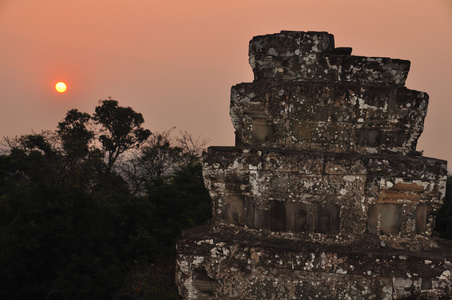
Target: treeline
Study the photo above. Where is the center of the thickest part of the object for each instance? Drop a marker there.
(94, 208)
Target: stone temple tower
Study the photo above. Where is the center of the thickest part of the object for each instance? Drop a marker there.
(324, 195)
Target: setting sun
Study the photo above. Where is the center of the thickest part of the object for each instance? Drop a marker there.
(60, 87)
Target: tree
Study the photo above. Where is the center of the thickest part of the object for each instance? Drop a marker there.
(31, 154)
(161, 155)
(75, 135)
(70, 214)
(157, 156)
(121, 129)
(53, 234)
(181, 201)
(191, 147)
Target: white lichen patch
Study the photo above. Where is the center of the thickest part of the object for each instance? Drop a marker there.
(445, 275)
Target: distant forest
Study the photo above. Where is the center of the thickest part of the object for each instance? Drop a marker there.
(94, 208)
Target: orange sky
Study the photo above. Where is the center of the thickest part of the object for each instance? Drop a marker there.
(175, 61)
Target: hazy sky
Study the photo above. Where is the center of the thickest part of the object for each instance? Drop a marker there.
(175, 61)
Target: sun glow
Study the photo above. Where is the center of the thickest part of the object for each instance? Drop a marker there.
(60, 87)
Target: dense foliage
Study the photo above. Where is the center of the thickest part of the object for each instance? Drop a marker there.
(95, 207)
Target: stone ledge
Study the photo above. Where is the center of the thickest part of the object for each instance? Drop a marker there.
(246, 264)
(327, 162)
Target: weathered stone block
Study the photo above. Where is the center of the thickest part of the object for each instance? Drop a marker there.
(350, 181)
(310, 56)
(312, 115)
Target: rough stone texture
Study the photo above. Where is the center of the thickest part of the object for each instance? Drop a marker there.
(226, 262)
(340, 195)
(324, 195)
(345, 117)
(311, 56)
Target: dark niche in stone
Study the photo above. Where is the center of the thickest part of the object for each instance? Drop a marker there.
(324, 195)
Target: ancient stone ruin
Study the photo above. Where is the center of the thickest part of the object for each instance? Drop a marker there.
(324, 195)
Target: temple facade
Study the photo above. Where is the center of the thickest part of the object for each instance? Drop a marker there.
(324, 195)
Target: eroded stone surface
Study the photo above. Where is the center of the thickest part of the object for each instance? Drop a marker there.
(327, 117)
(310, 192)
(229, 263)
(324, 195)
(311, 56)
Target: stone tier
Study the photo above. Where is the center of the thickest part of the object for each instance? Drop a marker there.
(311, 56)
(233, 263)
(323, 196)
(328, 117)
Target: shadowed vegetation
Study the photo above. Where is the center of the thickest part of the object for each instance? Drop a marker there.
(94, 208)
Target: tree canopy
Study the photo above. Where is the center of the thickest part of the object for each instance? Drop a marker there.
(95, 205)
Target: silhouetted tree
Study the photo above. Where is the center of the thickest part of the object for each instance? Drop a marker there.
(72, 217)
(75, 135)
(121, 129)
